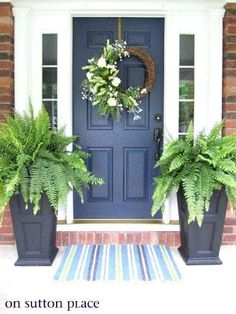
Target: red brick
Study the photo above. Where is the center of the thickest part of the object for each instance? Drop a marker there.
(162, 238)
(154, 237)
(230, 47)
(230, 221)
(6, 47)
(6, 65)
(59, 238)
(229, 89)
(6, 238)
(5, 29)
(122, 238)
(73, 237)
(229, 64)
(230, 123)
(227, 243)
(6, 89)
(65, 238)
(6, 81)
(6, 221)
(230, 29)
(230, 20)
(230, 81)
(146, 238)
(229, 131)
(230, 115)
(229, 238)
(177, 239)
(231, 214)
(91, 237)
(106, 238)
(6, 20)
(230, 6)
(98, 238)
(5, 10)
(114, 237)
(7, 212)
(5, 99)
(82, 238)
(170, 237)
(230, 107)
(138, 238)
(131, 237)
(4, 114)
(228, 229)
(6, 229)
(229, 73)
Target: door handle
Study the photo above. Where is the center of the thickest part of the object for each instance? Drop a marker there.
(157, 136)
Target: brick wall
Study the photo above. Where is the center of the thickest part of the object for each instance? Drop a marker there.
(171, 238)
(229, 99)
(6, 92)
(229, 109)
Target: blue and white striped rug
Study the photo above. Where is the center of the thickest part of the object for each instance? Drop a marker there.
(117, 262)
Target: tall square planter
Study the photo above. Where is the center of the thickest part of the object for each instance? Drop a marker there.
(201, 245)
(35, 234)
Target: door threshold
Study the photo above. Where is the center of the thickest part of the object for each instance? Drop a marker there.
(117, 226)
(121, 221)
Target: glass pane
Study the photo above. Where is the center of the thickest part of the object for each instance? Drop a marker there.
(51, 107)
(49, 83)
(49, 49)
(186, 50)
(186, 113)
(186, 84)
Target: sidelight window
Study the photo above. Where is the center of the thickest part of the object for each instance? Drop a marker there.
(49, 79)
(186, 82)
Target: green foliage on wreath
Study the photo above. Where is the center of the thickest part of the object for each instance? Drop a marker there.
(102, 85)
(34, 160)
(200, 165)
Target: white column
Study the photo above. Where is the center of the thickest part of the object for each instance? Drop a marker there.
(171, 95)
(215, 59)
(22, 56)
(171, 79)
(65, 112)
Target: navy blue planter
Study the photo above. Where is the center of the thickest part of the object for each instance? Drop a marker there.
(35, 234)
(201, 245)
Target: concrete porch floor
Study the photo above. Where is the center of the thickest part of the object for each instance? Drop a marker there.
(202, 288)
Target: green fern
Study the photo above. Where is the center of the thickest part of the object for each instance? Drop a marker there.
(200, 166)
(34, 160)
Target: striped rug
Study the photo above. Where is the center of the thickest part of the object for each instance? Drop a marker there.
(117, 262)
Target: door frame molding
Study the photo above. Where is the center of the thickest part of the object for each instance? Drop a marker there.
(204, 20)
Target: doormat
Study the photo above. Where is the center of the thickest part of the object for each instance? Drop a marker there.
(117, 262)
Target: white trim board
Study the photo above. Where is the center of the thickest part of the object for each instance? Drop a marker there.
(201, 18)
(103, 227)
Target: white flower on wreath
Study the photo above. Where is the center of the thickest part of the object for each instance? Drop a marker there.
(102, 62)
(89, 75)
(112, 102)
(143, 91)
(90, 60)
(110, 66)
(116, 82)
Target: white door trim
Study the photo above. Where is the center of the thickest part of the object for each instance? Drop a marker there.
(36, 18)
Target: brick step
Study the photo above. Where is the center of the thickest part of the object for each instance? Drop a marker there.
(76, 237)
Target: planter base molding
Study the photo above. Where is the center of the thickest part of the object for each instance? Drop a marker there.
(198, 260)
(37, 261)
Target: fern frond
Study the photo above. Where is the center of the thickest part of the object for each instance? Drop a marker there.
(201, 166)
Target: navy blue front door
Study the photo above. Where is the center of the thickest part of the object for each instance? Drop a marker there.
(122, 152)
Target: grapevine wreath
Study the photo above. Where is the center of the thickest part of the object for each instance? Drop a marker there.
(102, 84)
